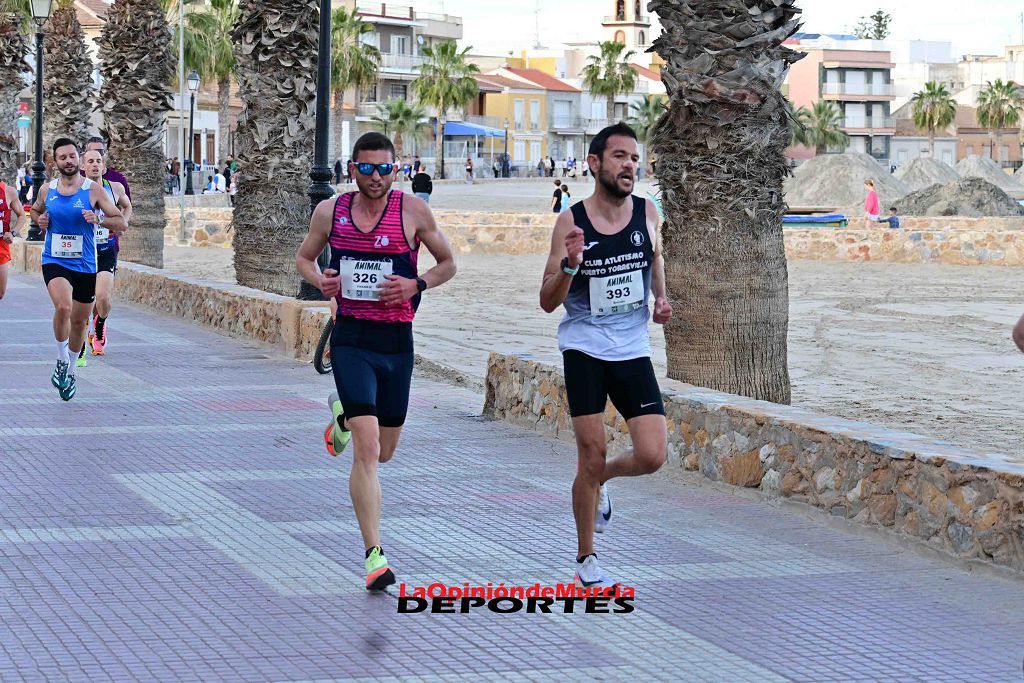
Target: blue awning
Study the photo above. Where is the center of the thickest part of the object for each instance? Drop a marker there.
(454, 128)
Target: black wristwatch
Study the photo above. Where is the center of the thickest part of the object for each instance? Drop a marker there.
(421, 284)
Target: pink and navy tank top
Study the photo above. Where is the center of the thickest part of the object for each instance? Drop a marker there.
(364, 257)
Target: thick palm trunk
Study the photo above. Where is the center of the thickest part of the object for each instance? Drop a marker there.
(67, 78)
(136, 95)
(13, 47)
(439, 149)
(276, 62)
(223, 117)
(610, 110)
(931, 143)
(337, 124)
(721, 167)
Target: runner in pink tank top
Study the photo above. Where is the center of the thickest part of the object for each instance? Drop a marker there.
(375, 235)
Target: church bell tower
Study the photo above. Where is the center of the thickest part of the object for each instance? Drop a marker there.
(628, 24)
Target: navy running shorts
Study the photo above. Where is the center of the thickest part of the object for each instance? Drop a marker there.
(630, 384)
(372, 364)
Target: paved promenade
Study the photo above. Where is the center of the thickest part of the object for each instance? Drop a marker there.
(179, 520)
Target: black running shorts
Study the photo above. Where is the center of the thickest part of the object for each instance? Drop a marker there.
(83, 285)
(106, 261)
(372, 363)
(630, 384)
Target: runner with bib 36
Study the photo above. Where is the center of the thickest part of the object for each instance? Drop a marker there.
(604, 264)
(375, 235)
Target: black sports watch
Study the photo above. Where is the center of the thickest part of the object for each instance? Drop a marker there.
(421, 284)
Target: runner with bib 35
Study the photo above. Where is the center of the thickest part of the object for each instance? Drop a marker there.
(604, 264)
(375, 235)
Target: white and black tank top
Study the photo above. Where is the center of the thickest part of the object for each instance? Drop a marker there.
(606, 311)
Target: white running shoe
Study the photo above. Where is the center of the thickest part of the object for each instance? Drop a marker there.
(604, 510)
(589, 574)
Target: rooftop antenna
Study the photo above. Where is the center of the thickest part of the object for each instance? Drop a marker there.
(536, 27)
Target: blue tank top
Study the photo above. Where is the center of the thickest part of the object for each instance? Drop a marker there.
(70, 239)
(606, 310)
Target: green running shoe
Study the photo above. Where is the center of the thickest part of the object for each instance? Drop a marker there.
(335, 438)
(81, 362)
(67, 392)
(378, 574)
(60, 375)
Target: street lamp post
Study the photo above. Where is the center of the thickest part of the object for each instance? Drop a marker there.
(504, 161)
(40, 13)
(193, 87)
(320, 188)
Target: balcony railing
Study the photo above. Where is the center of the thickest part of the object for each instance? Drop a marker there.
(563, 122)
(397, 62)
(368, 109)
(866, 89)
(868, 122)
(640, 19)
(385, 9)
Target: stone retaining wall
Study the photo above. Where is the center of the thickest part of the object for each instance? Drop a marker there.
(967, 504)
(250, 313)
(204, 227)
(949, 240)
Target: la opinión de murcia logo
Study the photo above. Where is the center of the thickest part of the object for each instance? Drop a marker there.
(566, 598)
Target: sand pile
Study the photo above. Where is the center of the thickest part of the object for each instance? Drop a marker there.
(925, 172)
(975, 166)
(836, 181)
(972, 197)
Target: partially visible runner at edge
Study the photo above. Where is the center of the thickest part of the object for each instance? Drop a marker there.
(106, 253)
(10, 207)
(375, 234)
(605, 263)
(68, 210)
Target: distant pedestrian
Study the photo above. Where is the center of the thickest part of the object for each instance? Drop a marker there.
(417, 165)
(469, 171)
(337, 171)
(565, 167)
(540, 168)
(872, 208)
(496, 167)
(566, 197)
(892, 219)
(348, 171)
(551, 167)
(422, 185)
(556, 198)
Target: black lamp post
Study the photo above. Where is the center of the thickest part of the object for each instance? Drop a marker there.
(320, 175)
(505, 162)
(193, 87)
(40, 13)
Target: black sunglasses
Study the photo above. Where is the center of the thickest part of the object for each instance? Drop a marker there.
(368, 169)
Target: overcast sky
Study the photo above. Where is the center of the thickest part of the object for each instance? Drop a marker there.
(978, 26)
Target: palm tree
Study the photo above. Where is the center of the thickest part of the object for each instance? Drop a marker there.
(276, 44)
(820, 127)
(644, 114)
(13, 48)
(609, 74)
(445, 82)
(999, 107)
(67, 76)
(721, 166)
(137, 65)
(933, 109)
(212, 25)
(402, 121)
(354, 64)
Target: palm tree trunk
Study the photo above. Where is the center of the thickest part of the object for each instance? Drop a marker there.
(275, 42)
(931, 143)
(13, 47)
(610, 110)
(721, 165)
(398, 146)
(338, 123)
(137, 67)
(224, 116)
(439, 148)
(997, 143)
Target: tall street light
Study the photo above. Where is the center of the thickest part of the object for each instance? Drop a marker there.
(505, 165)
(320, 175)
(193, 87)
(40, 13)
